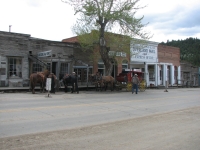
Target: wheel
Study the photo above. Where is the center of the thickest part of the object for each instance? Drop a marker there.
(142, 85)
(118, 86)
(129, 87)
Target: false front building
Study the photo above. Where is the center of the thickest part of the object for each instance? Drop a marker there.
(160, 64)
(21, 55)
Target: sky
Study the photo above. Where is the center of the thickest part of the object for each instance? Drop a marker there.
(53, 19)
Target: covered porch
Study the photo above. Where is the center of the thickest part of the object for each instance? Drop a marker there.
(158, 74)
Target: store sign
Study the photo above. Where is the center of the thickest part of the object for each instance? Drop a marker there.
(48, 84)
(147, 53)
(44, 54)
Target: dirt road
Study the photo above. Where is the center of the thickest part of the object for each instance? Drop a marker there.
(169, 131)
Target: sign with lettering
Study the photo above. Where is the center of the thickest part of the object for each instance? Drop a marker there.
(48, 84)
(44, 54)
(144, 54)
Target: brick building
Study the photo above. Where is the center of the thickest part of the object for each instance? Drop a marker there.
(121, 59)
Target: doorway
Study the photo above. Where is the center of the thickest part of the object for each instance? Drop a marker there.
(54, 67)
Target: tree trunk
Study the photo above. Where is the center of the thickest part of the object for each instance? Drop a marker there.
(103, 50)
(106, 60)
(108, 69)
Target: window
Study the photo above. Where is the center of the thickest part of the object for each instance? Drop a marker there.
(118, 53)
(15, 66)
(82, 73)
(151, 69)
(101, 67)
(111, 53)
(151, 76)
(122, 54)
(37, 67)
(63, 70)
(161, 74)
(124, 64)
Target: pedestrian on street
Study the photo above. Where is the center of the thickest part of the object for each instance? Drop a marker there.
(135, 82)
(66, 80)
(53, 82)
(74, 83)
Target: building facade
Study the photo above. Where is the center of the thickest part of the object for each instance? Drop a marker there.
(160, 64)
(21, 55)
(121, 60)
(190, 74)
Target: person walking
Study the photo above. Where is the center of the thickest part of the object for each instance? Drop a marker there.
(135, 82)
(66, 80)
(53, 82)
(74, 83)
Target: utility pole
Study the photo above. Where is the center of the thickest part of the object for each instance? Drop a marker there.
(10, 28)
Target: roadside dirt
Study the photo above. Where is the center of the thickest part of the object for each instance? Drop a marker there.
(169, 131)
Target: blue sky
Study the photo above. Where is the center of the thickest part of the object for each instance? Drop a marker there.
(53, 19)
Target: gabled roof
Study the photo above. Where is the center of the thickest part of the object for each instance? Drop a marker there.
(71, 40)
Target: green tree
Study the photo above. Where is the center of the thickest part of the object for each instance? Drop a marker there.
(189, 49)
(108, 24)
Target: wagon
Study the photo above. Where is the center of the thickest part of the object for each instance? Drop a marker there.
(123, 80)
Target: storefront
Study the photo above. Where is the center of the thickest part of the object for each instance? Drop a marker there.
(156, 72)
(21, 55)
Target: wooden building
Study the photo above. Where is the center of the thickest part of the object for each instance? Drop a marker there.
(21, 55)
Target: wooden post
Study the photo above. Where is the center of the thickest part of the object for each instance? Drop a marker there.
(166, 86)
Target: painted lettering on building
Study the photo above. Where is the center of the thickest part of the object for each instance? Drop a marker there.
(44, 54)
(146, 53)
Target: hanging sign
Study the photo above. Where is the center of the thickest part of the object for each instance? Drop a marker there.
(44, 54)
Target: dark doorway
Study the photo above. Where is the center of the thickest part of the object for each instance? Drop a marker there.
(114, 70)
(54, 67)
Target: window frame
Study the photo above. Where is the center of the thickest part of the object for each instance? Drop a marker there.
(15, 67)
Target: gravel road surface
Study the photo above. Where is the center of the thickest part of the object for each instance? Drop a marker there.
(178, 130)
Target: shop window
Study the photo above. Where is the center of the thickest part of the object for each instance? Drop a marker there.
(85, 73)
(63, 70)
(37, 68)
(82, 73)
(15, 66)
(151, 76)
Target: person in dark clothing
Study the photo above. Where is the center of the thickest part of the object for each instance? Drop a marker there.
(74, 83)
(66, 81)
(53, 78)
(135, 82)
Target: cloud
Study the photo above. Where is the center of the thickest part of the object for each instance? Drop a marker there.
(180, 21)
(53, 19)
(34, 3)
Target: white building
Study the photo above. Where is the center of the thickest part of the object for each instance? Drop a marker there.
(160, 64)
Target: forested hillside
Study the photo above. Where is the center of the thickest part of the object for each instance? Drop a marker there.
(189, 48)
